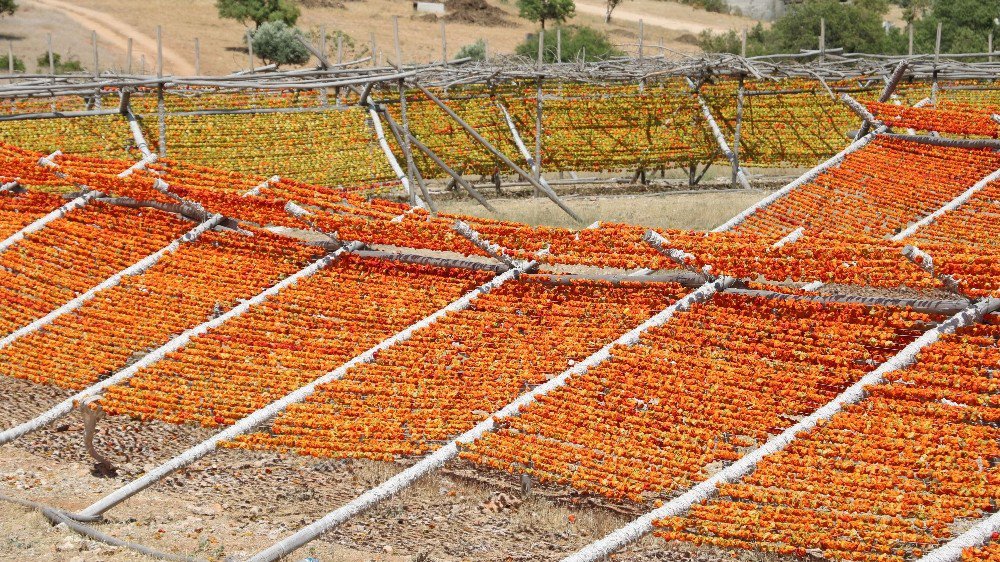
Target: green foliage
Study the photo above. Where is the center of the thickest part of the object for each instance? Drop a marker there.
(719, 6)
(475, 51)
(71, 64)
(855, 27)
(277, 43)
(965, 25)
(18, 63)
(546, 10)
(577, 41)
(7, 8)
(258, 11)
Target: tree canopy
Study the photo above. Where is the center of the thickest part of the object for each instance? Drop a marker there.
(576, 41)
(542, 11)
(7, 8)
(258, 11)
(276, 42)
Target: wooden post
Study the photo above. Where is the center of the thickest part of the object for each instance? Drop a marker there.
(909, 30)
(406, 140)
(822, 39)
(250, 50)
(937, 56)
(444, 44)
(197, 56)
(541, 47)
(340, 47)
(10, 57)
(371, 39)
(395, 38)
(641, 34)
(538, 133)
(322, 49)
(743, 43)
(52, 60)
(128, 57)
(989, 47)
(97, 68)
(142, 64)
(558, 44)
(737, 130)
(161, 106)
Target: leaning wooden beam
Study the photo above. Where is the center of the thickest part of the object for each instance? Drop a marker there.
(135, 269)
(527, 176)
(680, 257)
(274, 408)
(947, 207)
(861, 111)
(924, 261)
(450, 450)
(497, 251)
(440, 163)
(741, 176)
(890, 87)
(533, 162)
(66, 406)
(638, 528)
(422, 259)
(57, 115)
(398, 133)
(393, 163)
(133, 124)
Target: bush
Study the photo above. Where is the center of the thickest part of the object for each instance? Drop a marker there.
(258, 11)
(18, 63)
(577, 41)
(277, 43)
(475, 51)
(71, 64)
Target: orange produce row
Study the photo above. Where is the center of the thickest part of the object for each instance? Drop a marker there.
(694, 395)
(935, 119)
(291, 339)
(886, 479)
(200, 280)
(457, 372)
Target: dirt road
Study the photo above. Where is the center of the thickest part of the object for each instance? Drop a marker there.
(668, 15)
(115, 31)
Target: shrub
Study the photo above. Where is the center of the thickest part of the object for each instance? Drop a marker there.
(577, 41)
(475, 51)
(277, 43)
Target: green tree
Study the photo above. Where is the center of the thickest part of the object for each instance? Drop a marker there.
(277, 43)
(7, 8)
(965, 25)
(577, 41)
(258, 11)
(474, 51)
(855, 27)
(18, 63)
(546, 10)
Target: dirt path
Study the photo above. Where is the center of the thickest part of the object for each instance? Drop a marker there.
(667, 15)
(116, 31)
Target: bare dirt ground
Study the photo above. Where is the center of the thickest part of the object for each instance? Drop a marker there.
(223, 50)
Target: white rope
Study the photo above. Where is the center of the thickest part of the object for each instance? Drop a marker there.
(135, 269)
(633, 531)
(176, 343)
(260, 416)
(447, 452)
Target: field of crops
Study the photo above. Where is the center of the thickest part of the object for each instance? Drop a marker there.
(813, 379)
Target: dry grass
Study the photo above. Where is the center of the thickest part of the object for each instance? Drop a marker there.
(221, 40)
(692, 211)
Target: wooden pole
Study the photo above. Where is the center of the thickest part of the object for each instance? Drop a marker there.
(909, 30)
(395, 38)
(737, 129)
(743, 43)
(937, 56)
(371, 39)
(197, 56)
(340, 48)
(10, 57)
(322, 48)
(541, 48)
(989, 47)
(558, 44)
(250, 50)
(142, 64)
(52, 60)
(97, 68)
(822, 39)
(444, 44)
(538, 132)
(128, 56)
(641, 37)
(161, 106)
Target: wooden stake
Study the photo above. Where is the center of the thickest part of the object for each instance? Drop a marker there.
(538, 133)
(736, 132)
(743, 43)
(822, 39)
(399, 51)
(52, 60)
(937, 45)
(909, 29)
(340, 47)
(541, 47)
(142, 64)
(371, 37)
(250, 50)
(197, 56)
(10, 57)
(444, 44)
(989, 47)
(405, 144)
(128, 57)
(322, 49)
(97, 68)
(558, 44)
(641, 37)
(161, 106)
